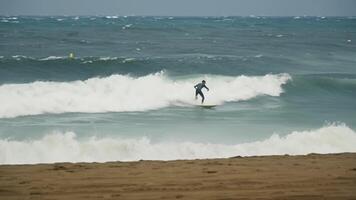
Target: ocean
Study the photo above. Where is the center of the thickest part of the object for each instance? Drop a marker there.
(282, 85)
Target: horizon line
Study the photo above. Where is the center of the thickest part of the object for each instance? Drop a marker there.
(132, 15)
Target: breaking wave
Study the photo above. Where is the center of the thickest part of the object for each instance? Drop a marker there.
(65, 147)
(120, 93)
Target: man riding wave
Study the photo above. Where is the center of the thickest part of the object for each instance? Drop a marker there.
(198, 87)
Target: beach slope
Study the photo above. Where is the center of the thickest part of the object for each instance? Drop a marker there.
(315, 176)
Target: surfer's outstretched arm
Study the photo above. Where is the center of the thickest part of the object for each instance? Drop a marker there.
(206, 87)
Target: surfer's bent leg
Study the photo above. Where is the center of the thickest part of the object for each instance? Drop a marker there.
(196, 94)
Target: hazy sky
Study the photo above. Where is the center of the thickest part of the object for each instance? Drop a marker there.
(179, 7)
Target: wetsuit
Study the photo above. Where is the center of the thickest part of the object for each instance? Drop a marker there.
(198, 89)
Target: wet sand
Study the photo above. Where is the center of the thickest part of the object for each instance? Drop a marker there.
(330, 176)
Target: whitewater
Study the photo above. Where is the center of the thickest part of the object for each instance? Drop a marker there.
(66, 147)
(122, 93)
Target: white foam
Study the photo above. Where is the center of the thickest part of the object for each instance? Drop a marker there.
(127, 26)
(65, 147)
(20, 57)
(86, 62)
(52, 58)
(112, 17)
(128, 60)
(107, 58)
(119, 93)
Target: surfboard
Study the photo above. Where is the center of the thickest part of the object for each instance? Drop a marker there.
(207, 106)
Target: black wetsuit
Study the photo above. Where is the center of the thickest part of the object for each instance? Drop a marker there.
(198, 89)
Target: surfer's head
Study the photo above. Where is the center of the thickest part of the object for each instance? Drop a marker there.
(203, 81)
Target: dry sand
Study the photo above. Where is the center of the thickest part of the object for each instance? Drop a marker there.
(331, 176)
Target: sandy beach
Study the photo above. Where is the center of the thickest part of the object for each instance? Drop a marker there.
(331, 176)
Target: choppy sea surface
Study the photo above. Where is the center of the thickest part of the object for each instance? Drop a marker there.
(283, 85)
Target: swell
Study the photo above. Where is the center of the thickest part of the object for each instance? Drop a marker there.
(331, 84)
(24, 69)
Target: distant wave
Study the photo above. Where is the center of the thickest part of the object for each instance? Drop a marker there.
(115, 58)
(65, 147)
(53, 58)
(120, 93)
(60, 59)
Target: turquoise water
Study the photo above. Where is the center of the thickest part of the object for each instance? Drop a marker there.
(282, 85)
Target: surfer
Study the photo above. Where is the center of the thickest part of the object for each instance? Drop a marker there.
(198, 87)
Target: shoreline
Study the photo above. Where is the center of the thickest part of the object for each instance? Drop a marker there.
(312, 176)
